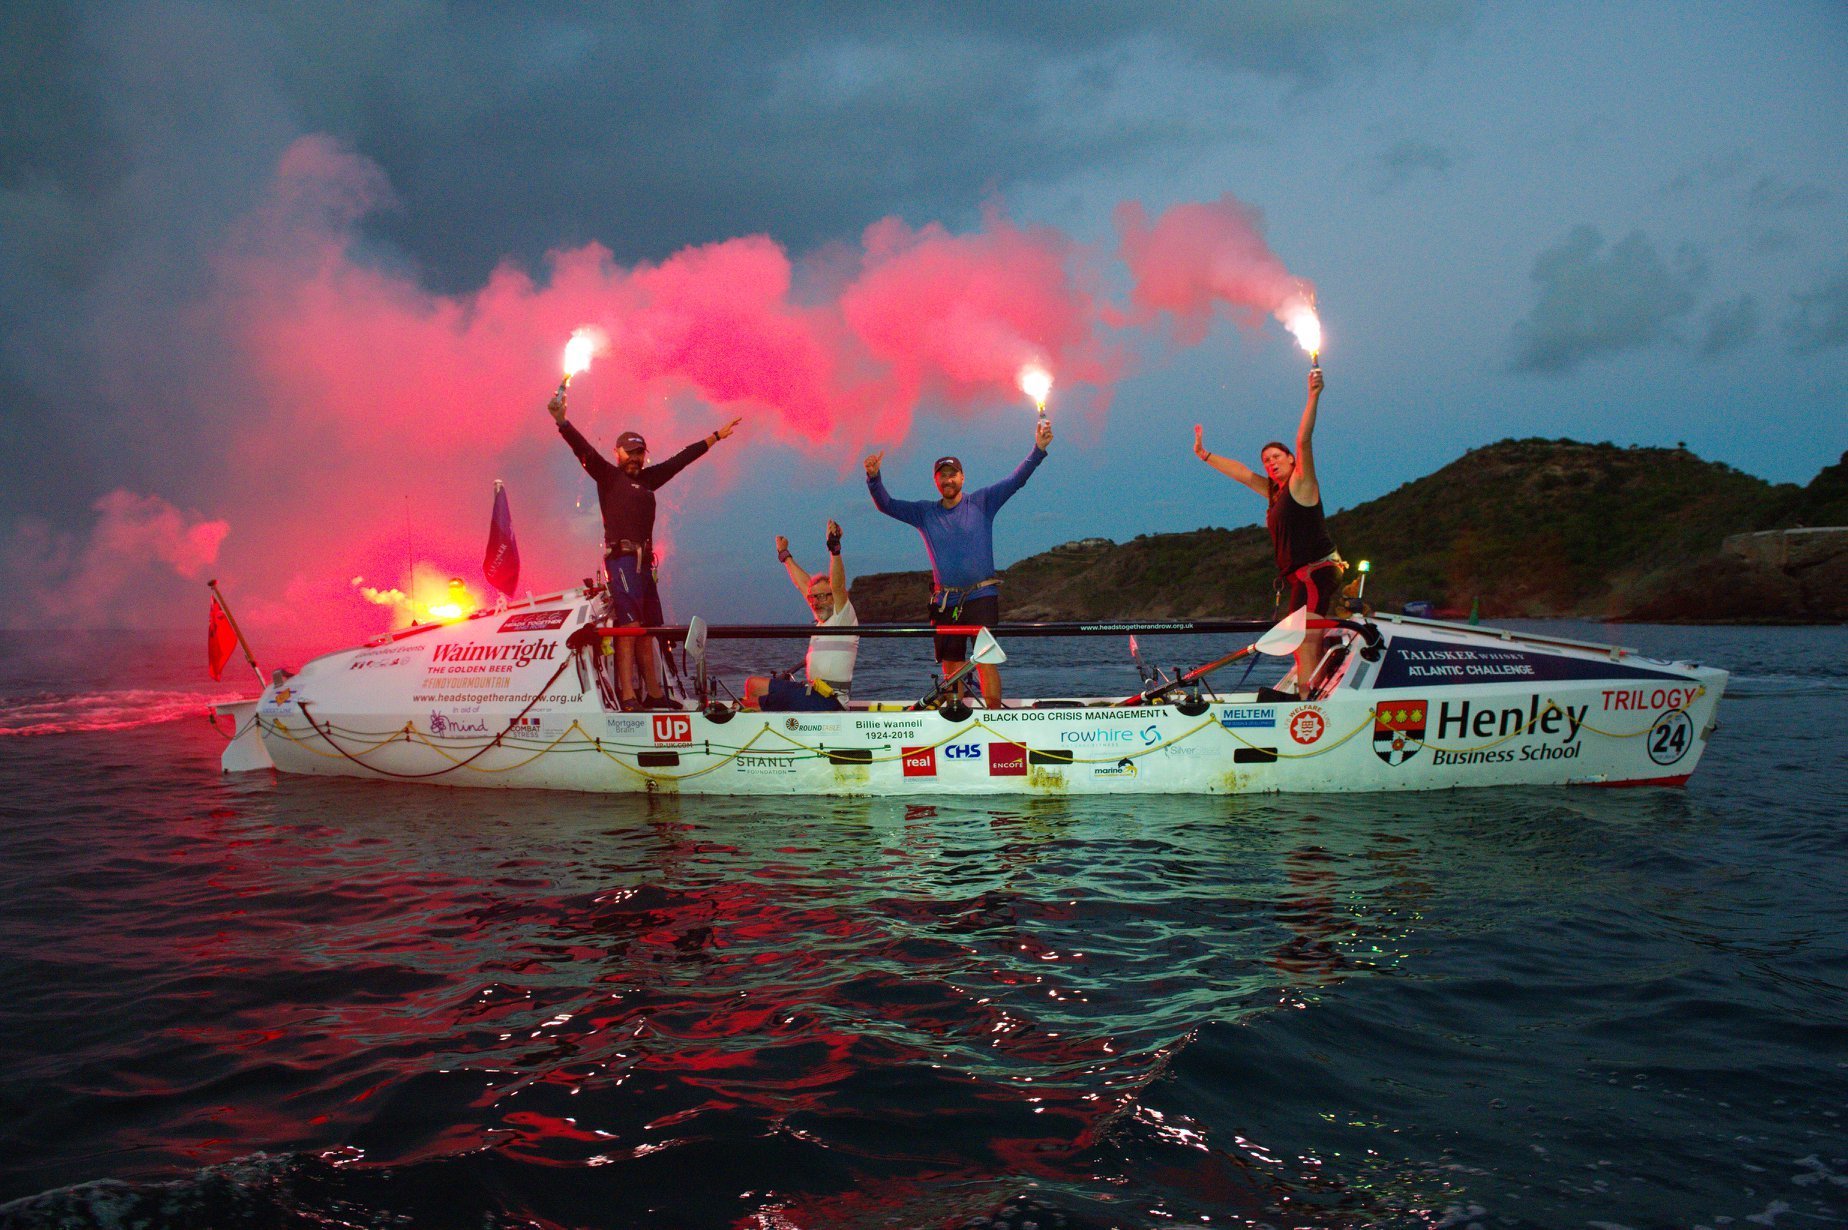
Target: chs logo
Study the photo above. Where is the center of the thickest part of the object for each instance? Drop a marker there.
(673, 728)
(920, 762)
(963, 751)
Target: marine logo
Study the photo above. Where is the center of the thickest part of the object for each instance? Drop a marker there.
(1398, 731)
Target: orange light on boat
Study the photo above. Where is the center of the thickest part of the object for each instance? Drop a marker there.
(458, 605)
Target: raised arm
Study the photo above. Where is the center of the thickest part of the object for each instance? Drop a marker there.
(1229, 467)
(798, 576)
(911, 512)
(837, 569)
(1303, 485)
(594, 463)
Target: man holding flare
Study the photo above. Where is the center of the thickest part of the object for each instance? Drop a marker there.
(959, 534)
(626, 495)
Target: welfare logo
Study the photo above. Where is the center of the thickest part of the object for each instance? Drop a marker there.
(1398, 730)
(1007, 760)
(920, 762)
(1306, 724)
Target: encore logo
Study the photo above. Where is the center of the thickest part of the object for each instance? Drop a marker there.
(1007, 760)
(673, 728)
(920, 762)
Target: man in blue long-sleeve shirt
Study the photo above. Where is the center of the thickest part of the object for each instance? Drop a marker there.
(959, 533)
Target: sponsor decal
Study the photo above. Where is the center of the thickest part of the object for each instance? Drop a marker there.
(1671, 737)
(1644, 700)
(1248, 717)
(534, 621)
(812, 725)
(1540, 715)
(991, 717)
(368, 664)
(920, 761)
(1122, 768)
(624, 725)
(1411, 662)
(1398, 730)
(1007, 760)
(282, 696)
(673, 728)
(450, 727)
(1306, 724)
(751, 763)
(962, 751)
(1107, 737)
(519, 653)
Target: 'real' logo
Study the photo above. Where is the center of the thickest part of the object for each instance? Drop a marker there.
(1007, 760)
(920, 762)
(1306, 724)
(673, 728)
(1398, 731)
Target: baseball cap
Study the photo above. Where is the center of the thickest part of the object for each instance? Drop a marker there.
(632, 442)
(946, 463)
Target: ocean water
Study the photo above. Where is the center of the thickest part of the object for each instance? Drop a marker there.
(243, 1001)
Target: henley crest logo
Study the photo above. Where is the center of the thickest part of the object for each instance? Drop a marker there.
(1398, 731)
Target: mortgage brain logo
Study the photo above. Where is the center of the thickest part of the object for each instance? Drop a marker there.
(1398, 731)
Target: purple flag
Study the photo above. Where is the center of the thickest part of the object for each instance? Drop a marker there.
(502, 564)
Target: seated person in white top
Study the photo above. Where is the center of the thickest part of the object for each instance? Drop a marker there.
(830, 658)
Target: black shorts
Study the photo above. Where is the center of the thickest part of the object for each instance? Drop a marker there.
(983, 612)
(634, 598)
(794, 696)
(1315, 588)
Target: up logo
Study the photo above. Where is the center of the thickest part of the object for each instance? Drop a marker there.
(963, 751)
(673, 728)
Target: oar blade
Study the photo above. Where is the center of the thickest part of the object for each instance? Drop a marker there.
(1283, 639)
(987, 652)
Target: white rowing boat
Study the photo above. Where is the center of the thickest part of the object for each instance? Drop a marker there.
(512, 699)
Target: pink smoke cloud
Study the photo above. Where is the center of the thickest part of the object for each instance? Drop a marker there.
(1202, 257)
(138, 544)
(357, 419)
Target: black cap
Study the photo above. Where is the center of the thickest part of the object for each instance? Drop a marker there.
(632, 442)
(949, 462)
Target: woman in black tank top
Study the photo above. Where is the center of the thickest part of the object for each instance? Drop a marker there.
(1306, 558)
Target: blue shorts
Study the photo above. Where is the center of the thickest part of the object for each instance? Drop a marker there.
(793, 696)
(633, 596)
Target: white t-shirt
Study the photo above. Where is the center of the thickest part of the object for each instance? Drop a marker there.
(831, 658)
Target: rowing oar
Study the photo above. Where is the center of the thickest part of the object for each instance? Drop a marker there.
(987, 653)
(1280, 642)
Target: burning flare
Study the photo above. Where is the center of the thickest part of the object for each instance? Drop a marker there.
(585, 342)
(1300, 319)
(1036, 382)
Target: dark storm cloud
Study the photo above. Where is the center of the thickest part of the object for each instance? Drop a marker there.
(1595, 302)
(1728, 326)
(1819, 318)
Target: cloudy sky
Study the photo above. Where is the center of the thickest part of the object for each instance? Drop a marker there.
(286, 285)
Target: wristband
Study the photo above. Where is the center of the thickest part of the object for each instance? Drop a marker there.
(782, 557)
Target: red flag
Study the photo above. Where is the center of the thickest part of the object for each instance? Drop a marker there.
(502, 564)
(220, 640)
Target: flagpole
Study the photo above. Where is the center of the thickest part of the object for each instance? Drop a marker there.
(239, 632)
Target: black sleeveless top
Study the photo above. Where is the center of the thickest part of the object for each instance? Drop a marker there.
(1297, 531)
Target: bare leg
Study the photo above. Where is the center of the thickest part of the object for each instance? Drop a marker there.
(651, 669)
(991, 685)
(1307, 655)
(950, 669)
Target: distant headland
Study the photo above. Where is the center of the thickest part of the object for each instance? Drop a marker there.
(1521, 528)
